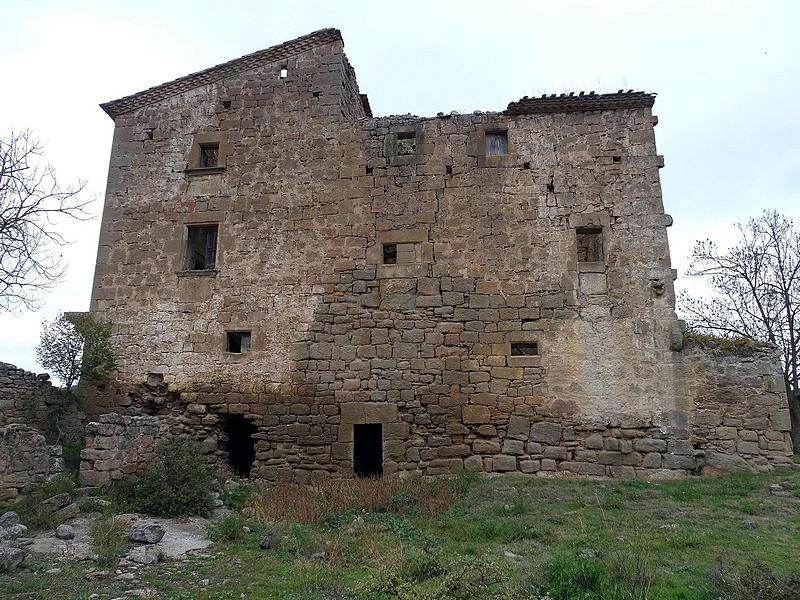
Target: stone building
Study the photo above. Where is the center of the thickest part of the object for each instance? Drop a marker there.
(316, 291)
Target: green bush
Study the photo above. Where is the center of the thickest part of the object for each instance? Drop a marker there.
(236, 497)
(755, 581)
(178, 483)
(477, 579)
(109, 539)
(230, 528)
(31, 510)
(72, 457)
(578, 577)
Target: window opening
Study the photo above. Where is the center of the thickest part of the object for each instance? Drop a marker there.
(449, 170)
(149, 133)
(406, 143)
(369, 170)
(239, 342)
(617, 159)
(526, 165)
(284, 71)
(590, 244)
(368, 450)
(390, 254)
(496, 143)
(209, 156)
(201, 247)
(524, 349)
(226, 104)
(241, 446)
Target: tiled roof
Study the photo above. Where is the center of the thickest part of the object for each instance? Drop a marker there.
(210, 75)
(582, 102)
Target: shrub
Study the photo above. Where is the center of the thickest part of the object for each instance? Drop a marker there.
(72, 457)
(230, 528)
(178, 483)
(236, 497)
(109, 539)
(477, 579)
(755, 581)
(579, 577)
(31, 510)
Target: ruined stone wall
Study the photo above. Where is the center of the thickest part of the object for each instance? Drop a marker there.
(487, 257)
(117, 447)
(31, 399)
(740, 419)
(25, 458)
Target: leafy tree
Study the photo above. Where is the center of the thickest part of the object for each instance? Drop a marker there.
(31, 204)
(756, 294)
(75, 346)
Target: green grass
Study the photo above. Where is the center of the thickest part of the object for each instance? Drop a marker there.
(583, 539)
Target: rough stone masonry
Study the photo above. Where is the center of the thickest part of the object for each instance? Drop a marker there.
(315, 291)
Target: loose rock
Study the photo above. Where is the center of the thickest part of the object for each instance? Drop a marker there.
(65, 532)
(146, 532)
(10, 558)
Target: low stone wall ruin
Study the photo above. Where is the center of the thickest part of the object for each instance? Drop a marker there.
(31, 399)
(25, 458)
(117, 446)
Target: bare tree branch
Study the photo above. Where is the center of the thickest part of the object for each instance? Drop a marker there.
(31, 202)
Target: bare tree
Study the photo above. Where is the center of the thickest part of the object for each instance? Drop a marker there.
(31, 202)
(756, 294)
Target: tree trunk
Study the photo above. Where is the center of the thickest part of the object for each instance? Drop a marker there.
(793, 397)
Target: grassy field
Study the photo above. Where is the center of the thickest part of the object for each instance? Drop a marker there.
(506, 537)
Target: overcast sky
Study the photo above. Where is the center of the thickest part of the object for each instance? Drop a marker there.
(727, 75)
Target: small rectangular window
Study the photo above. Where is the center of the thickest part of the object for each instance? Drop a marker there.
(239, 342)
(590, 244)
(524, 349)
(390, 254)
(209, 156)
(496, 143)
(284, 71)
(406, 143)
(201, 247)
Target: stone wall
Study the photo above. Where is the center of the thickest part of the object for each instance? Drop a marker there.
(489, 254)
(25, 458)
(117, 447)
(31, 399)
(740, 418)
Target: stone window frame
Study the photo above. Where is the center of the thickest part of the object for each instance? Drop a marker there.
(500, 160)
(198, 221)
(238, 330)
(522, 361)
(411, 244)
(390, 145)
(601, 221)
(395, 430)
(193, 156)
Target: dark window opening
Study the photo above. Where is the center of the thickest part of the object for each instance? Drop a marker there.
(239, 341)
(201, 247)
(590, 244)
(449, 170)
(284, 71)
(226, 104)
(526, 165)
(496, 143)
(390, 254)
(369, 170)
(209, 156)
(316, 94)
(406, 143)
(149, 133)
(551, 187)
(524, 349)
(368, 450)
(241, 446)
(617, 159)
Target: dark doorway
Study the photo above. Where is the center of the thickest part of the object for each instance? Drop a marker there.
(368, 450)
(241, 446)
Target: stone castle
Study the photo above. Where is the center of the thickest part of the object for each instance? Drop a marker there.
(315, 291)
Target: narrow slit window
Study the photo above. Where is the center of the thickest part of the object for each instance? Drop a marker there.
(284, 71)
(390, 254)
(496, 143)
(590, 244)
(524, 349)
(201, 247)
(238, 342)
(209, 156)
(406, 143)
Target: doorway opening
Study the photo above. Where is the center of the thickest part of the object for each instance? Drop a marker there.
(368, 450)
(241, 446)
